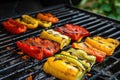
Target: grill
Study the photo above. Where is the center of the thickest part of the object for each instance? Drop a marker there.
(15, 68)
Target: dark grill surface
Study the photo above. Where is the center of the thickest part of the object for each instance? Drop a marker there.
(12, 67)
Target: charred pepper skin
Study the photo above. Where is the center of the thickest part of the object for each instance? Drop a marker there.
(38, 48)
(75, 32)
(14, 26)
(50, 34)
(66, 69)
(32, 51)
(47, 17)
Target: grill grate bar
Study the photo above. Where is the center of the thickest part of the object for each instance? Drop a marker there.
(97, 25)
(32, 73)
(100, 29)
(12, 66)
(5, 54)
(6, 38)
(65, 15)
(4, 46)
(93, 22)
(118, 38)
(40, 76)
(56, 12)
(69, 18)
(108, 32)
(115, 34)
(86, 20)
(16, 38)
(2, 35)
(79, 18)
(8, 60)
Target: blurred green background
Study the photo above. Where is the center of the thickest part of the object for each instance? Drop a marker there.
(110, 8)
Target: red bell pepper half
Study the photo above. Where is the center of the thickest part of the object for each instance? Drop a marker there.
(75, 32)
(14, 26)
(38, 48)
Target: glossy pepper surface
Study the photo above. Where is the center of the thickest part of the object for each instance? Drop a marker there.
(100, 55)
(75, 32)
(29, 21)
(102, 44)
(47, 17)
(38, 48)
(68, 68)
(50, 34)
(14, 26)
(82, 55)
(44, 24)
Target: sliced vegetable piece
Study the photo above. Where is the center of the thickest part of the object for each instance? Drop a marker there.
(100, 45)
(83, 55)
(72, 60)
(50, 47)
(44, 23)
(100, 55)
(32, 51)
(29, 21)
(47, 17)
(38, 48)
(55, 36)
(108, 41)
(14, 27)
(63, 69)
(75, 32)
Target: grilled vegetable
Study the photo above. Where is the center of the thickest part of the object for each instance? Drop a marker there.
(47, 17)
(85, 59)
(71, 59)
(44, 23)
(82, 46)
(70, 65)
(108, 41)
(55, 36)
(64, 67)
(14, 27)
(30, 22)
(75, 32)
(82, 55)
(38, 48)
(50, 47)
(100, 55)
(101, 44)
(32, 51)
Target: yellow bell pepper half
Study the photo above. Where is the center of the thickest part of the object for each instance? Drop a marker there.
(63, 69)
(55, 36)
(106, 45)
(29, 21)
(44, 24)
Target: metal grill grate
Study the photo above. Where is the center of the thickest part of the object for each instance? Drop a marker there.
(12, 67)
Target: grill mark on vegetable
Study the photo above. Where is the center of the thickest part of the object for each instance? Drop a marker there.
(67, 62)
(100, 42)
(57, 59)
(47, 48)
(76, 67)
